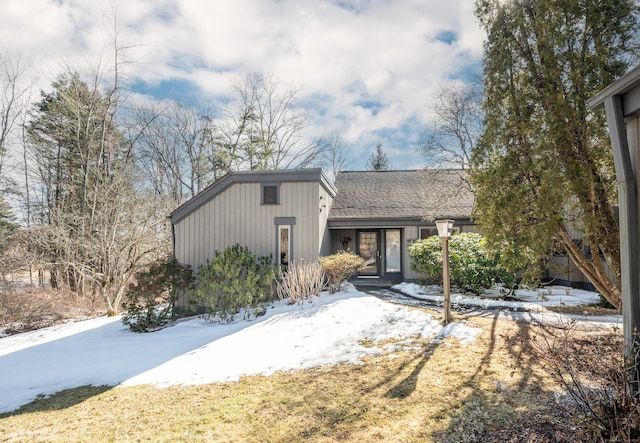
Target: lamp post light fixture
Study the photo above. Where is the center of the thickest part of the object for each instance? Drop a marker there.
(444, 232)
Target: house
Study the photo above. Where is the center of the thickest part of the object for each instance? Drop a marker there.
(384, 212)
(302, 215)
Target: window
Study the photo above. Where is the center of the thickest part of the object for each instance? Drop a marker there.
(429, 232)
(270, 194)
(284, 240)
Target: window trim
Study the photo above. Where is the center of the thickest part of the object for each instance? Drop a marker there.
(284, 222)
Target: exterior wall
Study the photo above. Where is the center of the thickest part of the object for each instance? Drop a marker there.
(236, 215)
(326, 201)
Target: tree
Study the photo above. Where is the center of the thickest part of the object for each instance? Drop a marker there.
(335, 153)
(378, 160)
(543, 167)
(263, 128)
(96, 227)
(456, 128)
(178, 150)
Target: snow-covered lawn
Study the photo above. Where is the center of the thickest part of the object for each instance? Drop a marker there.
(328, 330)
(529, 299)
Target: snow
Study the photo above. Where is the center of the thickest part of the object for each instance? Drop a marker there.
(329, 329)
(526, 299)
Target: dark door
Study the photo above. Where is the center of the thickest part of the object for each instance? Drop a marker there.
(369, 250)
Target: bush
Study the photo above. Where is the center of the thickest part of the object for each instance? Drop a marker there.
(339, 267)
(595, 376)
(301, 281)
(233, 280)
(149, 303)
(473, 267)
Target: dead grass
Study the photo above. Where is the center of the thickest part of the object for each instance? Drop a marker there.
(25, 308)
(494, 390)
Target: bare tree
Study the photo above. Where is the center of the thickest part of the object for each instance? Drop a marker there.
(456, 129)
(97, 227)
(263, 126)
(178, 150)
(335, 153)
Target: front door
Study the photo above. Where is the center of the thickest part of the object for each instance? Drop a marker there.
(369, 249)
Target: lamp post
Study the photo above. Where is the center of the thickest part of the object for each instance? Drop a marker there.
(444, 232)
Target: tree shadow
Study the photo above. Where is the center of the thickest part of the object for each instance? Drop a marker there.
(405, 387)
(60, 400)
(532, 422)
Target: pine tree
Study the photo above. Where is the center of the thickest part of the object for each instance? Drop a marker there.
(378, 160)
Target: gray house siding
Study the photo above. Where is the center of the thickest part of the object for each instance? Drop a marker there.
(231, 211)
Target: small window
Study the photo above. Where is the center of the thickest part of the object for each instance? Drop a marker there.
(270, 194)
(428, 232)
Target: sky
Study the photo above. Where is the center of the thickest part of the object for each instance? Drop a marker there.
(322, 331)
(364, 69)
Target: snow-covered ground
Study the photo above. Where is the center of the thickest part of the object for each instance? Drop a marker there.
(327, 330)
(525, 299)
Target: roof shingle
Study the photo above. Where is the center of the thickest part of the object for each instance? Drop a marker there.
(417, 194)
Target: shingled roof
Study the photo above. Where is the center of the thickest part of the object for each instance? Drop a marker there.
(407, 195)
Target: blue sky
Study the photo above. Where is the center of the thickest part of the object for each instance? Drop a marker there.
(365, 69)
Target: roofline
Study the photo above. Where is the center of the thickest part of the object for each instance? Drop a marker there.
(407, 170)
(622, 86)
(219, 186)
(354, 222)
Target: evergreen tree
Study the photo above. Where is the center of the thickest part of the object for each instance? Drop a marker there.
(378, 160)
(543, 168)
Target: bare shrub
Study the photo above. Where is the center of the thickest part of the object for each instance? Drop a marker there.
(592, 370)
(301, 281)
(339, 267)
(25, 308)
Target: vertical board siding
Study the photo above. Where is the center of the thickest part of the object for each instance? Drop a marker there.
(236, 215)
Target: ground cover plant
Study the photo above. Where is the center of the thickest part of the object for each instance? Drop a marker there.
(496, 390)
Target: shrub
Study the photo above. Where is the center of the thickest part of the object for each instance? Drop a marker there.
(473, 267)
(596, 379)
(301, 281)
(339, 267)
(233, 280)
(149, 303)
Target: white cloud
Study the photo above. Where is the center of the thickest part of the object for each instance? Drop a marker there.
(349, 57)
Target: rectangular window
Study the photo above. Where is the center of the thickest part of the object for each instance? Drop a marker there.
(284, 242)
(270, 194)
(430, 232)
(392, 250)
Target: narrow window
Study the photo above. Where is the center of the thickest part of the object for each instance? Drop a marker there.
(284, 243)
(270, 194)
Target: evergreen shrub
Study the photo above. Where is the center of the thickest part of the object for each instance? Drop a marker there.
(149, 303)
(472, 266)
(233, 280)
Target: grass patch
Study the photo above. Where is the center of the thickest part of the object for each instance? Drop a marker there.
(492, 390)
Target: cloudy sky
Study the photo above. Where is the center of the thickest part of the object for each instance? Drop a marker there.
(365, 69)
